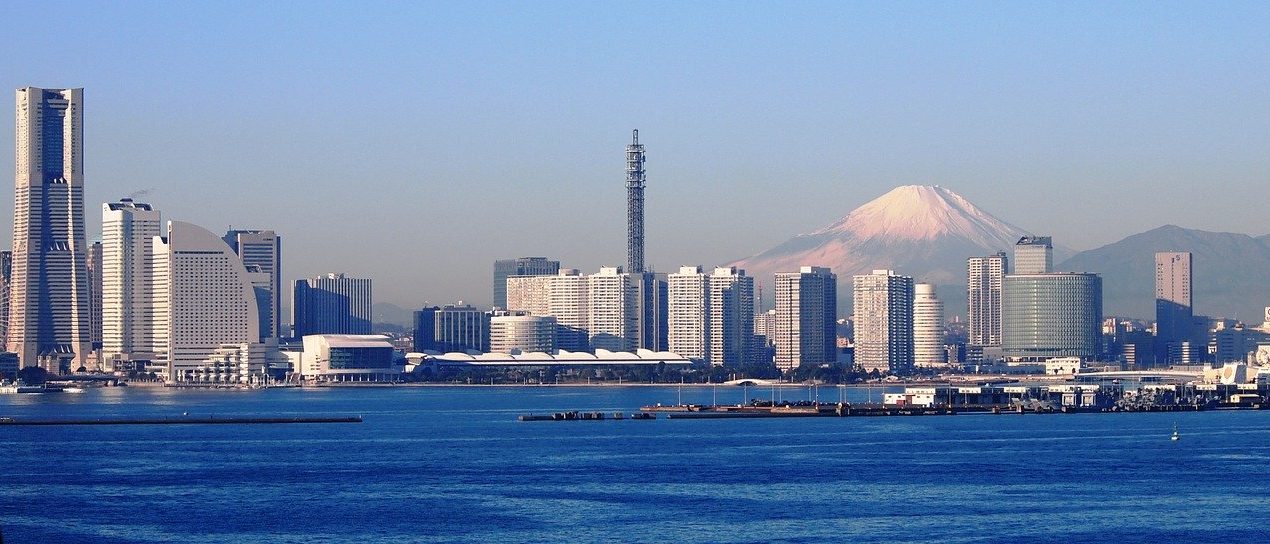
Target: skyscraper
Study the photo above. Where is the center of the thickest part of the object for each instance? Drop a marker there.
(884, 321)
(613, 310)
(49, 321)
(522, 266)
(806, 318)
(689, 312)
(1034, 255)
(635, 179)
(210, 322)
(261, 252)
(928, 327)
(128, 230)
(94, 265)
(1051, 315)
(6, 278)
(1174, 313)
(331, 304)
(983, 296)
(731, 316)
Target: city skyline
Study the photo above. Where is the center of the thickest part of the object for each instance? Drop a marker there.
(844, 125)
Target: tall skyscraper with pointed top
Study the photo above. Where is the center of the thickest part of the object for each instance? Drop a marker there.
(635, 205)
(49, 320)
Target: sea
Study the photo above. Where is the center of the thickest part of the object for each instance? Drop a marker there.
(453, 464)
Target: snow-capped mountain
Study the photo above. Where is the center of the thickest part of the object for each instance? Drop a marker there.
(917, 230)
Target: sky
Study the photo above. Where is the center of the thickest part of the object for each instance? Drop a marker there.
(415, 142)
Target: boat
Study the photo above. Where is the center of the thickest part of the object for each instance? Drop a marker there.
(1175, 436)
(72, 389)
(21, 388)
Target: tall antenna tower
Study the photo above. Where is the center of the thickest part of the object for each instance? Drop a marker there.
(635, 205)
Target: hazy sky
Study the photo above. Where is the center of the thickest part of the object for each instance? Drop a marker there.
(415, 143)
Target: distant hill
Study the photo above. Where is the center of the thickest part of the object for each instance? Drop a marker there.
(1230, 272)
(386, 312)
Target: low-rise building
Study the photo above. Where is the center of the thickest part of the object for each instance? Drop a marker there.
(348, 358)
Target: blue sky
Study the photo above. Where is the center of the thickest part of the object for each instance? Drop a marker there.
(416, 142)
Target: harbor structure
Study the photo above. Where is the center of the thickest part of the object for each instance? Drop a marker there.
(928, 328)
(49, 314)
(883, 321)
(331, 304)
(806, 318)
(1051, 315)
(984, 277)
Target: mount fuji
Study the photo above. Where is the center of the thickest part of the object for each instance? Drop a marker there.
(922, 231)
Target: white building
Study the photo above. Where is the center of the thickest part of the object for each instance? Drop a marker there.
(688, 311)
(127, 233)
(348, 358)
(883, 321)
(49, 317)
(261, 253)
(731, 316)
(806, 318)
(612, 310)
(928, 327)
(984, 277)
(211, 321)
(563, 296)
(510, 333)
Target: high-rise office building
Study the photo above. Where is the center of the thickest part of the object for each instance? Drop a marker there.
(983, 298)
(261, 253)
(1034, 255)
(6, 278)
(128, 230)
(613, 310)
(651, 330)
(49, 319)
(331, 304)
(884, 321)
(731, 316)
(93, 263)
(928, 327)
(1051, 315)
(452, 329)
(806, 318)
(689, 312)
(523, 266)
(1174, 310)
(209, 323)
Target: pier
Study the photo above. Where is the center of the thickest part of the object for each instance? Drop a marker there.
(179, 420)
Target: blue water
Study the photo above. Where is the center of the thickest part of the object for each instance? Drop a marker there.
(451, 464)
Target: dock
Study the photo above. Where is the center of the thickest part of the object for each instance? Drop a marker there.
(178, 420)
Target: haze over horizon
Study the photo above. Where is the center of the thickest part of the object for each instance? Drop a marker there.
(416, 144)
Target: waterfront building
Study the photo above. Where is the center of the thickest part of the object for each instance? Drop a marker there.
(731, 316)
(1034, 255)
(652, 305)
(928, 327)
(883, 321)
(348, 358)
(49, 319)
(261, 252)
(6, 279)
(563, 296)
(331, 304)
(984, 277)
(806, 318)
(689, 294)
(522, 266)
(613, 309)
(453, 328)
(1051, 315)
(511, 332)
(209, 323)
(1174, 312)
(128, 229)
(94, 265)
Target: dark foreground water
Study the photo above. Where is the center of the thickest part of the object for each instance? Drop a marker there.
(451, 464)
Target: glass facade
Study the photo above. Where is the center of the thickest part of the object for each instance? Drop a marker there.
(345, 358)
(1051, 315)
